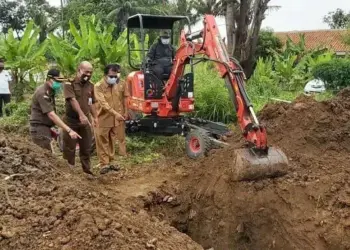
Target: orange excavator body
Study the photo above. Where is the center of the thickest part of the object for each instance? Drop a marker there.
(163, 104)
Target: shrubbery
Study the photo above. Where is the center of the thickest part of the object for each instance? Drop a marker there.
(212, 100)
(335, 73)
(19, 119)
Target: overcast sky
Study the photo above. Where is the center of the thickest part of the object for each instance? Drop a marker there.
(295, 14)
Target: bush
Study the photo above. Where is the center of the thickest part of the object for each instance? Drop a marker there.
(19, 119)
(263, 82)
(212, 101)
(335, 73)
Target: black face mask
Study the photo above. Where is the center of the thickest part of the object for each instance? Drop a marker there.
(1, 68)
(85, 78)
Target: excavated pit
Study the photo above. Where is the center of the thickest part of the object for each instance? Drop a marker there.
(309, 208)
(45, 205)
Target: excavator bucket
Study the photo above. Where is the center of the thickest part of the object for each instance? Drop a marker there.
(249, 166)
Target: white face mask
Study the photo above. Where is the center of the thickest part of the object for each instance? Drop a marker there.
(111, 81)
(165, 40)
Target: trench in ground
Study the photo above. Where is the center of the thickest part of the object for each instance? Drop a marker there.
(281, 213)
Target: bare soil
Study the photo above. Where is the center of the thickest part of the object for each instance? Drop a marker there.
(309, 208)
(47, 206)
(156, 206)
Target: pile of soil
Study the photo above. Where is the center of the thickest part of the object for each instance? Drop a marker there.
(309, 208)
(45, 205)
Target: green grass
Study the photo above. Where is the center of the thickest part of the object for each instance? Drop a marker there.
(146, 148)
(325, 96)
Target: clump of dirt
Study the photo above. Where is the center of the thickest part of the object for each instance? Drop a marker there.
(318, 127)
(43, 205)
(309, 208)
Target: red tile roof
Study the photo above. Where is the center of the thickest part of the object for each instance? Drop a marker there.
(331, 39)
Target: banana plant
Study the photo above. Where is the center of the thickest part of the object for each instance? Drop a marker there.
(138, 47)
(25, 57)
(90, 41)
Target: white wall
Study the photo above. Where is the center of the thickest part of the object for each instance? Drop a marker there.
(220, 21)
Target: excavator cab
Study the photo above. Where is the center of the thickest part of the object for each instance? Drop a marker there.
(142, 31)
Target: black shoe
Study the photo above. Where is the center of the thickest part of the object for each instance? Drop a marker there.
(105, 170)
(109, 168)
(114, 168)
(88, 171)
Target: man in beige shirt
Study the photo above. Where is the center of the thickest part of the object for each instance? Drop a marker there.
(111, 98)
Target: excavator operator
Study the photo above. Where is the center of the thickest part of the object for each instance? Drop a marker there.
(160, 56)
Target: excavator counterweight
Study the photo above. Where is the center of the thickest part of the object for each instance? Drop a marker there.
(164, 103)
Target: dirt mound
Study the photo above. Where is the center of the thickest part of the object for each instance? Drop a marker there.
(43, 205)
(309, 208)
(319, 126)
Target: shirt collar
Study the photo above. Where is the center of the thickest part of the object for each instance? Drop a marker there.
(48, 90)
(105, 84)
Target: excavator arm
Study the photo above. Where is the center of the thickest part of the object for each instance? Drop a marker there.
(212, 48)
(162, 110)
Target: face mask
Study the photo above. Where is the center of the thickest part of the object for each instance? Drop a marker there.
(165, 40)
(111, 81)
(1, 69)
(56, 86)
(85, 78)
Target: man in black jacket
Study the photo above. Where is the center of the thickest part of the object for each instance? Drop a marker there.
(161, 55)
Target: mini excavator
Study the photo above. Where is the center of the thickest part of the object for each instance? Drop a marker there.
(161, 105)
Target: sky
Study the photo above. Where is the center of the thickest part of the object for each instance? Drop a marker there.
(293, 14)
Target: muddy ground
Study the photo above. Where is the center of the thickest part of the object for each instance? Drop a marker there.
(185, 204)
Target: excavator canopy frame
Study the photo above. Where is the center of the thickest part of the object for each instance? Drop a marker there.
(150, 22)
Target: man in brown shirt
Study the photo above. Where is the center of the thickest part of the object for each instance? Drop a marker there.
(80, 100)
(42, 115)
(111, 96)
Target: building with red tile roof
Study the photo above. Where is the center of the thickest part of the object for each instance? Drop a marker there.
(331, 39)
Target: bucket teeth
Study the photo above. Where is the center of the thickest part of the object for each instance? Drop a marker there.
(249, 166)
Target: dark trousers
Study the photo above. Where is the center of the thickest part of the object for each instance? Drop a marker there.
(158, 70)
(4, 99)
(69, 145)
(41, 135)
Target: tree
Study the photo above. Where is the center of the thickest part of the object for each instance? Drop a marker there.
(122, 10)
(15, 14)
(92, 41)
(212, 7)
(75, 8)
(24, 57)
(338, 19)
(243, 22)
(268, 43)
(12, 16)
(44, 15)
(244, 19)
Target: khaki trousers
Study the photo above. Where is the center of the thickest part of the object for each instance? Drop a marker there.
(105, 142)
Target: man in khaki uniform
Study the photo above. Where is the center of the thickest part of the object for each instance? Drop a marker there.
(111, 96)
(42, 115)
(80, 100)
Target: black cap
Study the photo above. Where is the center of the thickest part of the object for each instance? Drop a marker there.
(165, 34)
(55, 74)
